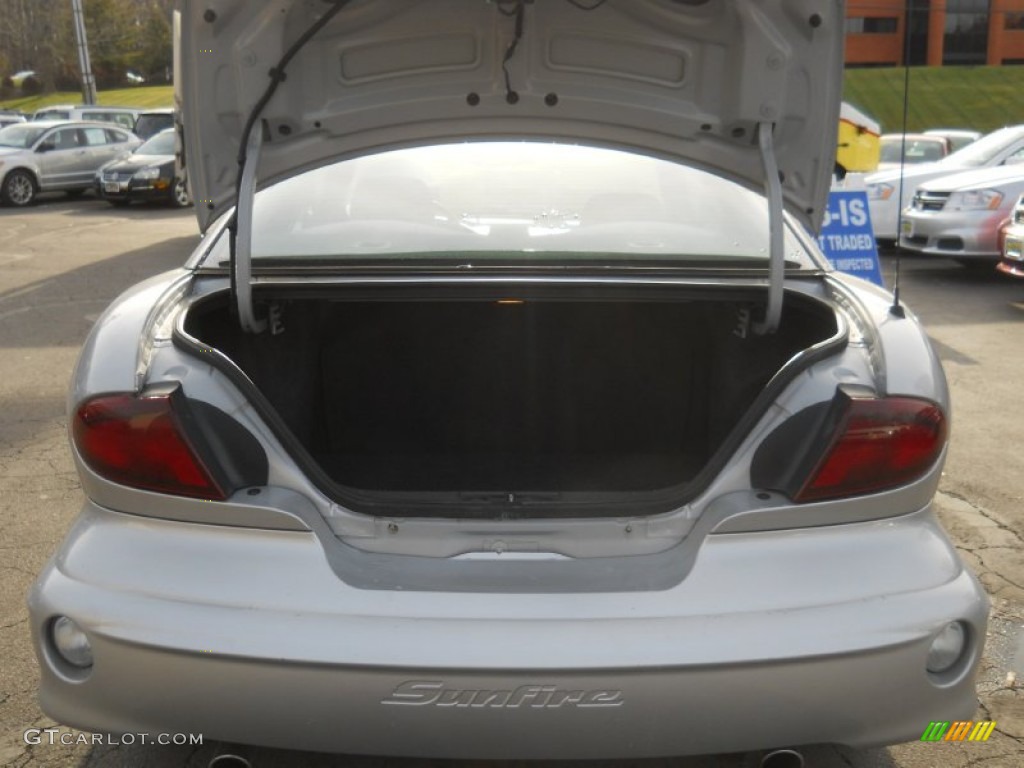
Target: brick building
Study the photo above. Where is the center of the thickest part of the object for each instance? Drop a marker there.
(883, 33)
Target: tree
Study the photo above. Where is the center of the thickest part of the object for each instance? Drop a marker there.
(123, 35)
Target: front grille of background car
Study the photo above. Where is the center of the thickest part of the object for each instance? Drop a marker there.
(1018, 216)
(115, 176)
(930, 201)
(950, 244)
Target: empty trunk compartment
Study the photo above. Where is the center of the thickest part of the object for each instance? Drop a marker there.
(529, 398)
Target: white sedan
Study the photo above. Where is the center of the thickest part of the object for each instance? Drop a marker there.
(959, 216)
(891, 191)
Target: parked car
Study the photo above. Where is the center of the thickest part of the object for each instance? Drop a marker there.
(1012, 251)
(959, 216)
(152, 121)
(122, 116)
(509, 412)
(902, 149)
(957, 137)
(45, 156)
(884, 188)
(9, 117)
(147, 174)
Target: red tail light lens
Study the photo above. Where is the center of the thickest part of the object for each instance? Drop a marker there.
(879, 444)
(140, 442)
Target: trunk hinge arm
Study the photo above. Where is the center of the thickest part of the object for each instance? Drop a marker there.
(776, 253)
(241, 263)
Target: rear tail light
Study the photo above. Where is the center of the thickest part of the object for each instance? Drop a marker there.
(851, 446)
(879, 444)
(140, 441)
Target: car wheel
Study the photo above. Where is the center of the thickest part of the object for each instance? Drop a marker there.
(180, 197)
(19, 188)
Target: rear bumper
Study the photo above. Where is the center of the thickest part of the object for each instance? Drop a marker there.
(263, 644)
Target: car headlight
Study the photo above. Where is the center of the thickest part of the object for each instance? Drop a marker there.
(977, 199)
(880, 191)
(147, 174)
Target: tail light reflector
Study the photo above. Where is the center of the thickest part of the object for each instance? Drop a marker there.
(139, 441)
(877, 445)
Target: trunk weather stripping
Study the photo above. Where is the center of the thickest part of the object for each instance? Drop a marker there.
(776, 254)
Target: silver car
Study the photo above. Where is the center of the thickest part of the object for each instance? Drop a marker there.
(891, 191)
(1012, 262)
(507, 408)
(56, 156)
(959, 216)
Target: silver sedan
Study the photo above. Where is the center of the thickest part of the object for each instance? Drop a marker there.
(959, 216)
(508, 408)
(47, 156)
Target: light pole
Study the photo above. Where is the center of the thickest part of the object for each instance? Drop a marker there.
(88, 81)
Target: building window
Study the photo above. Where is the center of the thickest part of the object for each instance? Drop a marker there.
(1013, 21)
(966, 38)
(871, 25)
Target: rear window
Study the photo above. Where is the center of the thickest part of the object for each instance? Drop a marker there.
(52, 114)
(125, 119)
(517, 200)
(20, 135)
(150, 125)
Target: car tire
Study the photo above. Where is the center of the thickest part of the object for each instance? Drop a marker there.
(180, 198)
(19, 188)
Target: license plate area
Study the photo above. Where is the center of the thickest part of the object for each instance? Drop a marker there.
(1014, 249)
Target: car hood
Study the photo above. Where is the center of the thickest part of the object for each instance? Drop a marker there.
(978, 179)
(917, 171)
(138, 162)
(685, 79)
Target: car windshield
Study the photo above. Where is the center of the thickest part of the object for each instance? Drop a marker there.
(981, 153)
(161, 144)
(519, 200)
(21, 136)
(149, 125)
(912, 151)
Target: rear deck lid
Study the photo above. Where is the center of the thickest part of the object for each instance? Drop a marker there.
(689, 80)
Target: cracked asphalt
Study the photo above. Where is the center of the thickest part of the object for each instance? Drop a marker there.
(62, 261)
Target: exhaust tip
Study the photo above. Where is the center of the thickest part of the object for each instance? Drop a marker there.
(783, 758)
(229, 761)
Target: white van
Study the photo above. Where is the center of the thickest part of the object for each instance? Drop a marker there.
(123, 116)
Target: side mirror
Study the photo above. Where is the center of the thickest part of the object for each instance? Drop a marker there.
(46, 146)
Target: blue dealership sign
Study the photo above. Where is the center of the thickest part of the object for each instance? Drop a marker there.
(846, 237)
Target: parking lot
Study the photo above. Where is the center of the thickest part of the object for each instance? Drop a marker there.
(63, 260)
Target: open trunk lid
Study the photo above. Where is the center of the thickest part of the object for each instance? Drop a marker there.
(690, 80)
